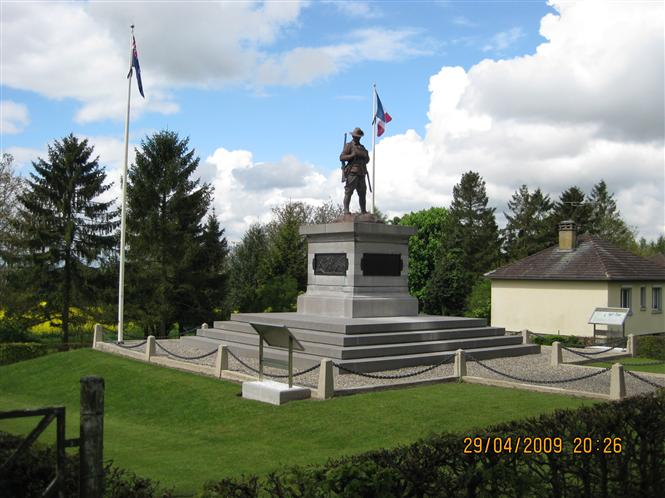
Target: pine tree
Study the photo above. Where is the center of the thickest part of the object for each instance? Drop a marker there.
(605, 220)
(247, 270)
(61, 231)
(529, 225)
(471, 225)
(166, 210)
(572, 205)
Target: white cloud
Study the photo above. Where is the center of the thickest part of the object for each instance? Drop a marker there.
(77, 50)
(356, 9)
(246, 191)
(13, 117)
(503, 40)
(586, 106)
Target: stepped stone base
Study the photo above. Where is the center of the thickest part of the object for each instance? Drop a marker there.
(366, 344)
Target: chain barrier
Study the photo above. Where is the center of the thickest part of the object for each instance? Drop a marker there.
(580, 353)
(171, 353)
(647, 381)
(537, 381)
(447, 359)
(275, 376)
(130, 347)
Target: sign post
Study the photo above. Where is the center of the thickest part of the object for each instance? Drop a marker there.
(609, 316)
(277, 336)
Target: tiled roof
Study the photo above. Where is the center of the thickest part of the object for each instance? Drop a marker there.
(593, 259)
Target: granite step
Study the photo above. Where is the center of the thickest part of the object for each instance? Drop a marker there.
(237, 331)
(355, 325)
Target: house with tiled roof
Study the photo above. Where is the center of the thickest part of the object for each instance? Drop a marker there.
(555, 290)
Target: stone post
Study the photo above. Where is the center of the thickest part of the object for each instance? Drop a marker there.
(557, 355)
(617, 382)
(150, 347)
(326, 388)
(525, 336)
(91, 453)
(97, 335)
(459, 368)
(222, 360)
(631, 345)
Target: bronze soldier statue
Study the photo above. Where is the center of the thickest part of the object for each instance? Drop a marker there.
(356, 157)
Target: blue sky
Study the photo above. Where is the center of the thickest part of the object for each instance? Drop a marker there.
(551, 95)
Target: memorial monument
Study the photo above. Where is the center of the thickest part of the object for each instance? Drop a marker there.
(357, 310)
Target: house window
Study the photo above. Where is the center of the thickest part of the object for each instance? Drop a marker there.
(625, 297)
(656, 299)
(643, 298)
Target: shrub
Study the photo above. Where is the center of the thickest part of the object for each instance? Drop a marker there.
(11, 352)
(13, 331)
(439, 466)
(31, 473)
(569, 341)
(651, 346)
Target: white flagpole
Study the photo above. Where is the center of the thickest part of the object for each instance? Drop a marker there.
(121, 282)
(373, 144)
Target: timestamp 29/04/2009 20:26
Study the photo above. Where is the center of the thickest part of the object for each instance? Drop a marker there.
(581, 445)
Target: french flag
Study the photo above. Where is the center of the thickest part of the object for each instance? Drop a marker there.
(381, 117)
(135, 66)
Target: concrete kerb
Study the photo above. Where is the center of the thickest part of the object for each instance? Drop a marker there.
(532, 387)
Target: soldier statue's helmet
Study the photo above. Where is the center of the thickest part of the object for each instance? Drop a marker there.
(357, 132)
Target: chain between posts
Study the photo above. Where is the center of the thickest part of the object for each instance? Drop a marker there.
(537, 381)
(448, 359)
(205, 355)
(275, 376)
(579, 353)
(647, 381)
(130, 347)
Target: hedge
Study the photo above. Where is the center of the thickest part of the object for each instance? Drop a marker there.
(651, 346)
(33, 471)
(569, 341)
(11, 352)
(438, 465)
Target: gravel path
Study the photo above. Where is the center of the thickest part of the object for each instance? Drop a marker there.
(532, 367)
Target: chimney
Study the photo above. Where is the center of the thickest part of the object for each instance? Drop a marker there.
(567, 235)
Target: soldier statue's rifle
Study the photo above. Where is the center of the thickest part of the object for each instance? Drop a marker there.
(343, 163)
(369, 184)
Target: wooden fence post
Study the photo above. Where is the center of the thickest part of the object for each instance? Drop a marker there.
(91, 478)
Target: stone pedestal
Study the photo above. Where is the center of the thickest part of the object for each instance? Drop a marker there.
(357, 270)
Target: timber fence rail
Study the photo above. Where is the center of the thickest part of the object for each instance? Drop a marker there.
(89, 442)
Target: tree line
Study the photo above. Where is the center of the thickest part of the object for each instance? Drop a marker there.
(59, 242)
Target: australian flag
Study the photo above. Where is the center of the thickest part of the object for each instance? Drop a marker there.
(135, 65)
(381, 117)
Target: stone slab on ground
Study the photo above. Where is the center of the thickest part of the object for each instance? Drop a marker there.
(275, 393)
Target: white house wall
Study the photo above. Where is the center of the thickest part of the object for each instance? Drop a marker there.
(641, 320)
(547, 307)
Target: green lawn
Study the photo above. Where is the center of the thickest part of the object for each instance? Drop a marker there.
(183, 429)
(627, 362)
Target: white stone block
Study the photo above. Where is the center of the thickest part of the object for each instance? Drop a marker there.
(275, 393)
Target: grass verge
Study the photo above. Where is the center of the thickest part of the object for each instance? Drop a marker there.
(183, 429)
(629, 362)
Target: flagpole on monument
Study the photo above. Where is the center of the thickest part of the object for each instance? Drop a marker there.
(373, 144)
(121, 280)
